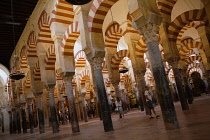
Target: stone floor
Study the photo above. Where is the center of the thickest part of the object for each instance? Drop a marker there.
(194, 125)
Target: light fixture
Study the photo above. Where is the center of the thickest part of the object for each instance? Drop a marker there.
(78, 2)
(123, 70)
(16, 76)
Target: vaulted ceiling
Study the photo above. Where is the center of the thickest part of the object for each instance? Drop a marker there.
(13, 18)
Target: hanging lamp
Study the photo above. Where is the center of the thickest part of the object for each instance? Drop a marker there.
(78, 2)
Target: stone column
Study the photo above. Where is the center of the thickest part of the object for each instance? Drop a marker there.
(116, 87)
(40, 113)
(106, 113)
(67, 77)
(55, 125)
(14, 121)
(10, 121)
(173, 61)
(30, 111)
(18, 120)
(188, 90)
(84, 107)
(23, 114)
(63, 113)
(149, 32)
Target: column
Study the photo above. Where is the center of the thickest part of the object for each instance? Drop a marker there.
(150, 32)
(55, 125)
(23, 114)
(18, 120)
(173, 61)
(14, 120)
(10, 121)
(63, 113)
(73, 114)
(40, 113)
(84, 107)
(106, 113)
(31, 118)
(188, 90)
(116, 87)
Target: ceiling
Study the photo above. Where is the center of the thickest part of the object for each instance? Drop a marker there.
(12, 28)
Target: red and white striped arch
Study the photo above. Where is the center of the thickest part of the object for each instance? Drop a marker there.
(116, 59)
(167, 68)
(37, 72)
(113, 35)
(57, 74)
(129, 28)
(192, 59)
(165, 7)
(50, 58)
(192, 24)
(80, 59)
(28, 81)
(183, 19)
(193, 65)
(187, 45)
(196, 70)
(141, 48)
(97, 13)
(171, 76)
(44, 29)
(107, 82)
(104, 66)
(31, 51)
(21, 89)
(84, 76)
(23, 61)
(63, 12)
(71, 35)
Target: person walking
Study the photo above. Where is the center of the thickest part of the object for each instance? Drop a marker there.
(148, 95)
(119, 108)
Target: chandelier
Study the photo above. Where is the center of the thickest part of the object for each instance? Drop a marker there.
(16, 76)
(78, 2)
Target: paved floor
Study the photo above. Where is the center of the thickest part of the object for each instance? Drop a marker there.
(194, 125)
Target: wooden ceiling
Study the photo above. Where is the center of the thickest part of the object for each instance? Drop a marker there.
(13, 18)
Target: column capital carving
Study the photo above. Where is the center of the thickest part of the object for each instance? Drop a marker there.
(67, 77)
(96, 62)
(173, 61)
(58, 37)
(149, 31)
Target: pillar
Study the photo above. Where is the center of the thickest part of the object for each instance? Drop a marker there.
(14, 121)
(31, 118)
(63, 113)
(55, 125)
(23, 114)
(18, 120)
(106, 113)
(84, 107)
(67, 77)
(116, 87)
(188, 90)
(40, 113)
(150, 32)
(10, 121)
(173, 61)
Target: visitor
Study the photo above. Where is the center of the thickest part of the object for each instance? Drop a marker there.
(148, 95)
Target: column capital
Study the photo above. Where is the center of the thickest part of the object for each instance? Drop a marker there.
(67, 77)
(173, 61)
(96, 62)
(149, 31)
(29, 100)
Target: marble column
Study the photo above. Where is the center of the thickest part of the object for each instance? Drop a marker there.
(84, 107)
(173, 61)
(117, 91)
(73, 114)
(40, 113)
(106, 113)
(10, 121)
(2, 123)
(150, 32)
(14, 121)
(18, 120)
(31, 118)
(188, 90)
(63, 113)
(55, 125)
(23, 114)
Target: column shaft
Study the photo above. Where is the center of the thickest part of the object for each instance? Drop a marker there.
(53, 115)
(63, 113)
(72, 108)
(31, 118)
(40, 115)
(24, 124)
(106, 113)
(18, 121)
(162, 86)
(188, 90)
(84, 109)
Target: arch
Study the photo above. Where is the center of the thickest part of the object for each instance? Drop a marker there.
(193, 65)
(70, 37)
(97, 13)
(50, 58)
(187, 45)
(167, 68)
(141, 48)
(171, 76)
(37, 73)
(80, 59)
(165, 7)
(57, 74)
(31, 51)
(113, 35)
(44, 29)
(107, 82)
(183, 19)
(85, 72)
(4, 74)
(63, 13)
(28, 81)
(191, 59)
(116, 59)
(23, 61)
(196, 70)
(192, 24)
